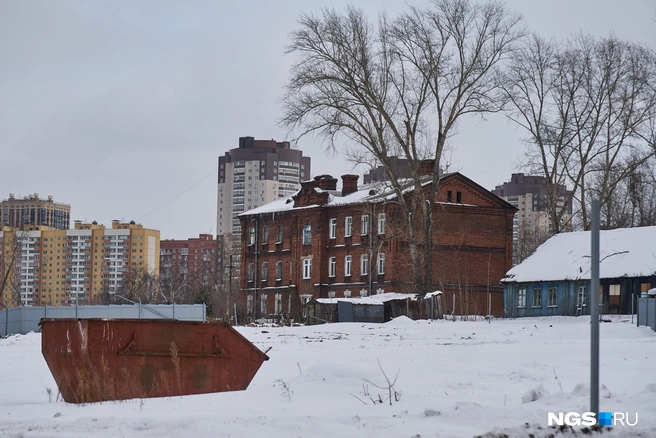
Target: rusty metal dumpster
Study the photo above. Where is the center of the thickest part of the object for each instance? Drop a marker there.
(96, 360)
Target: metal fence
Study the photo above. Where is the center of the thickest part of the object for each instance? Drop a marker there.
(26, 319)
(647, 312)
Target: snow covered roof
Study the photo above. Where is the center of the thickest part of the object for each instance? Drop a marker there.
(379, 191)
(624, 252)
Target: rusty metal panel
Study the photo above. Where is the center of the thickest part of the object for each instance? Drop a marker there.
(96, 360)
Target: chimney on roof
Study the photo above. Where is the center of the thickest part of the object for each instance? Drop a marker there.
(326, 182)
(427, 167)
(349, 184)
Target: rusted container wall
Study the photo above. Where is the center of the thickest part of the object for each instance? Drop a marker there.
(115, 359)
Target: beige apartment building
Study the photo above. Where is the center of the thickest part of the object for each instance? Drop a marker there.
(34, 211)
(46, 266)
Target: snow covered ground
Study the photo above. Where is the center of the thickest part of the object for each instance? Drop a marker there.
(456, 379)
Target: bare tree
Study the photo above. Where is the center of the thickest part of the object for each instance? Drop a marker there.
(586, 105)
(173, 283)
(397, 89)
(11, 244)
(138, 285)
(530, 235)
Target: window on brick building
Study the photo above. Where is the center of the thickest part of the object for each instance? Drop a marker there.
(382, 222)
(307, 235)
(381, 263)
(364, 222)
(449, 196)
(364, 264)
(348, 226)
(307, 269)
(459, 197)
(251, 271)
(263, 304)
(279, 270)
(265, 271)
(332, 228)
(265, 234)
(332, 266)
(348, 261)
(280, 235)
(278, 304)
(251, 236)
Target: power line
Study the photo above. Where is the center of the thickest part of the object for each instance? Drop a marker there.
(181, 193)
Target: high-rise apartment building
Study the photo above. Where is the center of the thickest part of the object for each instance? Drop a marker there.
(532, 221)
(254, 174)
(33, 211)
(59, 267)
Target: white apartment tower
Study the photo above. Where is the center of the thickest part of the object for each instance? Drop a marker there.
(254, 174)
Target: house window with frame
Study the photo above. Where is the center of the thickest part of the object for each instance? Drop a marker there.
(307, 235)
(553, 297)
(521, 298)
(332, 228)
(364, 224)
(307, 269)
(580, 302)
(537, 297)
(332, 266)
(348, 226)
(613, 295)
(382, 222)
(251, 236)
(251, 271)
(263, 304)
(265, 271)
(280, 234)
(278, 304)
(381, 263)
(348, 261)
(265, 234)
(364, 264)
(279, 270)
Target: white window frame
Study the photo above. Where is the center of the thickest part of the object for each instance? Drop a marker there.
(348, 226)
(278, 304)
(521, 298)
(332, 266)
(348, 263)
(382, 223)
(380, 265)
(364, 225)
(251, 236)
(263, 304)
(265, 271)
(332, 228)
(307, 269)
(581, 296)
(364, 264)
(251, 271)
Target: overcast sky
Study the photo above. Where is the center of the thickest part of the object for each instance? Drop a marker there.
(121, 108)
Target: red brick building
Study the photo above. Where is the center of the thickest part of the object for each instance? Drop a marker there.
(186, 266)
(324, 243)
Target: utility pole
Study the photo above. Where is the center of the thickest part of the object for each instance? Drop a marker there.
(594, 309)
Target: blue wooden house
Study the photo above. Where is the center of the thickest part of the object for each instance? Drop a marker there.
(555, 280)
